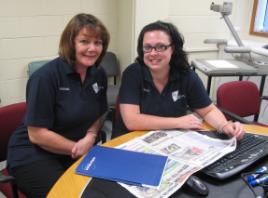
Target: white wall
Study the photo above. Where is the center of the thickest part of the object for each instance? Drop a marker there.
(30, 30)
(126, 28)
(193, 18)
(197, 22)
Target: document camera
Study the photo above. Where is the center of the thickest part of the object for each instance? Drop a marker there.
(225, 9)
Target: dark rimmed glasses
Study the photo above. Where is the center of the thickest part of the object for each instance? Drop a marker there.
(158, 48)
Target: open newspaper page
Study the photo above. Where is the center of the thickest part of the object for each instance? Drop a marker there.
(187, 152)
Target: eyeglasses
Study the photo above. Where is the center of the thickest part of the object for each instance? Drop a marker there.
(158, 48)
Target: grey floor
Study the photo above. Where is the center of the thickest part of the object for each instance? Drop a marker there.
(2, 196)
(107, 127)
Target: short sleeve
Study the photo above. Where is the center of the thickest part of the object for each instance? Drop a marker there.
(197, 96)
(130, 90)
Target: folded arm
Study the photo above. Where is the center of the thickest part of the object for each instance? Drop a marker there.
(50, 141)
(55, 143)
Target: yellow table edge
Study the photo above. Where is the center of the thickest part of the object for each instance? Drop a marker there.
(71, 185)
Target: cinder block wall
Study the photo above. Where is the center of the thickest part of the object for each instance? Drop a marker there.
(30, 30)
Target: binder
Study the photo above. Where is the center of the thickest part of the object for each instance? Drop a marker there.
(124, 166)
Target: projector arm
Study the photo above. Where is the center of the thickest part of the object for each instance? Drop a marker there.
(226, 10)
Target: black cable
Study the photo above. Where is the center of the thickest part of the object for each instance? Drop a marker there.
(265, 185)
(265, 188)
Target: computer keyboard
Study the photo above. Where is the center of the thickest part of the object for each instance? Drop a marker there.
(249, 150)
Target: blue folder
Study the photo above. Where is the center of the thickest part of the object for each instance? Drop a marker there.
(120, 165)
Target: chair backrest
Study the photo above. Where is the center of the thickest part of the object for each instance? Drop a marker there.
(35, 65)
(111, 65)
(10, 118)
(239, 97)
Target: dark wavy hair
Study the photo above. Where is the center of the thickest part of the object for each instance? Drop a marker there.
(77, 23)
(179, 60)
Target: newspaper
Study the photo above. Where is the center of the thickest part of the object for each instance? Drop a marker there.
(187, 151)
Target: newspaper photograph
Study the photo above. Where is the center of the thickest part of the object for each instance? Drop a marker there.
(187, 151)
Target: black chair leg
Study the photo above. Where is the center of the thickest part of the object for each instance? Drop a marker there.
(103, 137)
(14, 189)
(100, 138)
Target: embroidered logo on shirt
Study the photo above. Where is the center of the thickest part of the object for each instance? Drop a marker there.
(64, 88)
(146, 90)
(95, 87)
(176, 96)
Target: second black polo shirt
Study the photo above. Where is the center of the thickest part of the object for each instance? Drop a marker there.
(183, 91)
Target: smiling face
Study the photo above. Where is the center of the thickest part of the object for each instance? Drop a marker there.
(88, 48)
(159, 58)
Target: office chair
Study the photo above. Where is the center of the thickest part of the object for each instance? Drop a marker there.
(111, 66)
(240, 99)
(10, 118)
(35, 65)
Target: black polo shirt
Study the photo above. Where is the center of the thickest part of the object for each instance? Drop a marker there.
(57, 100)
(184, 91)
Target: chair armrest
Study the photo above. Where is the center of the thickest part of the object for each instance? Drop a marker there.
(235, 117)
(6, 178)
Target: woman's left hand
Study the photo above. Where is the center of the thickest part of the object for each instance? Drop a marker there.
(83, 145)
(234, 129)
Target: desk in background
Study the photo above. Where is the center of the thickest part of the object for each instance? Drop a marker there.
(242, 70)
(70, 185)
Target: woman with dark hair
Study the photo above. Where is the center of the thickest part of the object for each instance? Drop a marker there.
(158, 90)
(66, 99)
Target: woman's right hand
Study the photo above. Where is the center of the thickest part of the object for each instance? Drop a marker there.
(189, 121)
(83, 145)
